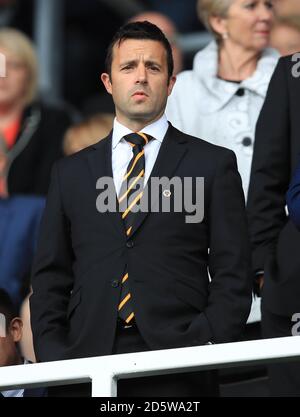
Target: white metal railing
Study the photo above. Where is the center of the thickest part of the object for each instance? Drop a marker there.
(104, 371)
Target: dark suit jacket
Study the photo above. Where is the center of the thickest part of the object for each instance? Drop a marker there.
(293, 198)
(19, 222)
(82, 255)
(275, 239)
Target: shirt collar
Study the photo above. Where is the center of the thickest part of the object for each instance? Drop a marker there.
(157, 130)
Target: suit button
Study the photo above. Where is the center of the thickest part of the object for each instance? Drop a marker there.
(129, 244)
(115, 283)
(247, 141)
(240, 92)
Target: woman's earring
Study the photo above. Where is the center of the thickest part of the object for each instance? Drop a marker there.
(225, 36)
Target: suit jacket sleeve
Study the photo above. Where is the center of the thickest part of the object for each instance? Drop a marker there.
(230, 293)
(52, 278)
(293, 198)
(270, 169)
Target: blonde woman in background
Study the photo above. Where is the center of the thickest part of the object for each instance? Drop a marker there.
(219, 100)
(31, 129)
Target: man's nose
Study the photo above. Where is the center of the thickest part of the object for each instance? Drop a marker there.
(141, 74)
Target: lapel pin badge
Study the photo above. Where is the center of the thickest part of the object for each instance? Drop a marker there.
(167, 193)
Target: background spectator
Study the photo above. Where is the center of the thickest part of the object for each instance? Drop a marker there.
(32, 131)
(87, 133)
(19, 222)
(9, 351)
(285, 35)
(275, 239)
(287, 7)
(182, 13)
(219, 100)
(168, 27)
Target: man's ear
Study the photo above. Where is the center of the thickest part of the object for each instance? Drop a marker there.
(16, 329)
(105, 78)
(172, 81)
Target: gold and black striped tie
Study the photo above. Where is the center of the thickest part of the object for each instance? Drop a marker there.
(130, 196)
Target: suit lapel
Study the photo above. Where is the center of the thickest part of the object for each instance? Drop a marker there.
(169, 157)
(100, 162)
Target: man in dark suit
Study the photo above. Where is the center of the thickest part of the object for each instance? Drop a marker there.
(275, 239)
(126, 281)
(10, 336)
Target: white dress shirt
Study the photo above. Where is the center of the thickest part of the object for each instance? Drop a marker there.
(122, 151)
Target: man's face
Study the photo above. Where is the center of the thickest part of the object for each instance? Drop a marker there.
(8, 351)
(139, 81)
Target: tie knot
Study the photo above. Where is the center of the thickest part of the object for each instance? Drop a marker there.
(139, 138)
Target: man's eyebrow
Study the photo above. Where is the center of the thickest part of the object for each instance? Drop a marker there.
(131, 62)
(151, 62)
(135, 61)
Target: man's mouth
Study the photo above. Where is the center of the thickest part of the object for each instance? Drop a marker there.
(140, 94)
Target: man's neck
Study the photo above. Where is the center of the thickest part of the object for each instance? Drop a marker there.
(137, 125)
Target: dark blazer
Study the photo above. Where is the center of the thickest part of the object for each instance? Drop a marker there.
(293, 198)
(19, 222)
(82, 255)
(275, 239)
(38, 146)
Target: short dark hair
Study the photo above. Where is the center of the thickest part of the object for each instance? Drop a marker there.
(7, 307)
(139, 30)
